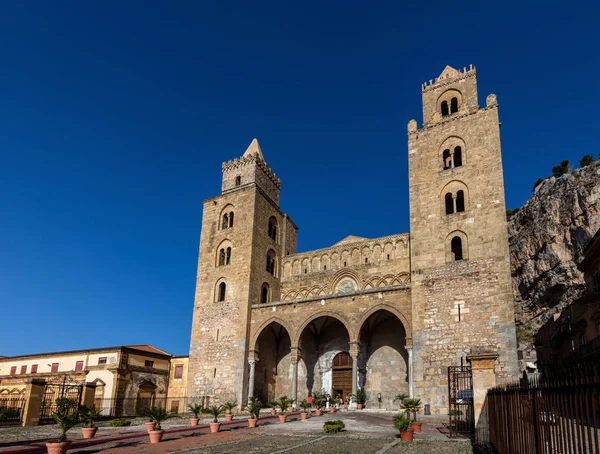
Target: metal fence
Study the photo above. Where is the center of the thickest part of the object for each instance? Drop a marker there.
(129, 407)
(555, 414)
(11, 410)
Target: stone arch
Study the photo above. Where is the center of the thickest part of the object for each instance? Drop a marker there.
(366, 254)
(400, 278)
(377, 252)
(305, 268)
(315, 264)
(335, 260)
(393, 310)
(345, 273)
(447, 150)
(287, 269)
(453, 189)
(226, 212)
(388, 250)
(464, 242)
(324, 313)
(447, 97)
(218, 293)
(345, 258)
(325, 265)
(221, 252)
(355, 256)
(296, 268)
(264, 325)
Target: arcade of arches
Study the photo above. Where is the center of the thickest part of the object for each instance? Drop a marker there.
(328, 358)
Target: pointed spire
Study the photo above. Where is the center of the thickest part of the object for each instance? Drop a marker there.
(254, 149)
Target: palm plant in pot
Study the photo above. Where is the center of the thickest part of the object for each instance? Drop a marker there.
(318, 403)
(304, 405)
(331, 401)
(412, 406)
(157, 415)
(229, 406)
(66, 418)
(254, 405)
(283, 403)
(273, 405)
(215, 411)
(361, 398)
(196, 409)
(89, 416)
(402, 423)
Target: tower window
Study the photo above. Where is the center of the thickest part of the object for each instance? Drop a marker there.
(460, 201)
(449, 203)
(271, 262)
(305, 270)
(453, 105)
(231, 219)
(264, 293)
(225, 223)
(366, 260)
(228, 256)
(238, 180)
(388, 256)
(457, 158)
(324, 267)
(222, 289)
(344, 263)
(273, 228)
(447, 158)
(222, 257)
(444, 108)
(456, 248)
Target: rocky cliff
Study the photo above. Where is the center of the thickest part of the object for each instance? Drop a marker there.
(547, 237)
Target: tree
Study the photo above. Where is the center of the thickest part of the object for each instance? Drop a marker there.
(510, 213)
(561, 169)
(586, 160)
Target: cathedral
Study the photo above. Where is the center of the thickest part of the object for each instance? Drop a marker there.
(388, 315)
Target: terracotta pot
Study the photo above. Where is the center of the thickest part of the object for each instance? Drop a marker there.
(228, 417)
(290, 409)
(150, 425)
(360, 406)
(156, 435)
(194, 421)
(252, 422)
(214, 427)
(318, 412)
(304, 415)
(58, 448)
(406, 435)
(89, 432)
(331, 409)
(273, 412)
(282, 418)
(416, 426)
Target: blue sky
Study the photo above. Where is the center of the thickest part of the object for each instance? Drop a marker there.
(115, 119)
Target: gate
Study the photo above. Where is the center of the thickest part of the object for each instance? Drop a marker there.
(53, 392)
(460, 398)
(11, 410)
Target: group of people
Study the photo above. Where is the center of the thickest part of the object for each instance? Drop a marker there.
(340, 401)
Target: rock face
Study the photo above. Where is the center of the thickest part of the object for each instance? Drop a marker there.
(547, 238)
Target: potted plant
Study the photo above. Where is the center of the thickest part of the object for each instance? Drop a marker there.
(400, 398)
(254, 405)
(89, 416)
(331, 401)
(273, 405)
(157, 415)
(291, 406)
(318, 403)
(229, 406)
(304, 405)
(66, 419)
(215, 411)
(412, 406)
(361, 398)
(402, 423)
(196, 410)
(283, 403)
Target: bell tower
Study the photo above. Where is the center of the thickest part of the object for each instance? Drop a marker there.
(460, 270)
(242, 239)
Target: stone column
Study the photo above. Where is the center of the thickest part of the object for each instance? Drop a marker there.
(252, 362)
(295, 357)
(411, 391)
(484, 378)
(354, 349)
(34, 396)
(88, 395)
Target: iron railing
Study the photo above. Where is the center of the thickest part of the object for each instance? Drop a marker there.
(129, 407)
(555, 414)
(460, 397)
(11, 410)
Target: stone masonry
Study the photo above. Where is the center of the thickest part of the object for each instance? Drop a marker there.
(388, 314)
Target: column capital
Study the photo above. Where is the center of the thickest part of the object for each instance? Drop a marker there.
(354, 349)
(296, 354)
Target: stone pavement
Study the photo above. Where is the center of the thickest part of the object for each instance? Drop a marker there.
(365, 433)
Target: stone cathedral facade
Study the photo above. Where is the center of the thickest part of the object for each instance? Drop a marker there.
(385, 314)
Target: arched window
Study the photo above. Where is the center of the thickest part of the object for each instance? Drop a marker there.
(460, 201)
(225, 223)
(264, 293)
(231, 219)
(456, 248)
(273, 228)
(271, 262)
(449, 203)
(447, 159)
(453, 105)
(444, 108)
(227, 256)
(238, 180)
(222, 289)
(222, 257)
(457, 158)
